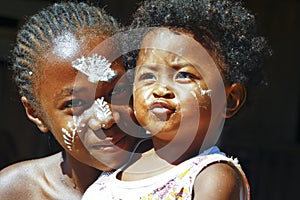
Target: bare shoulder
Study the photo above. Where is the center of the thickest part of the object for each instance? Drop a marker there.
(23, 179)
(219, 181)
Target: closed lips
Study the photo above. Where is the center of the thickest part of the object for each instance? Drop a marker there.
(162, 108)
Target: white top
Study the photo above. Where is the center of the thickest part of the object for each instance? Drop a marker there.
(176, 183)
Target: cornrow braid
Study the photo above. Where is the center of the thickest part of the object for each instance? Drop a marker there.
(39, 31)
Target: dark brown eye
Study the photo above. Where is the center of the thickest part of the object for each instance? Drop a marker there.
(184, 76)
(147, 76)
(74, 103)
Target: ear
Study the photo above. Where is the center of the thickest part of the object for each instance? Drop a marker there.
(31, 114)
(236, 97)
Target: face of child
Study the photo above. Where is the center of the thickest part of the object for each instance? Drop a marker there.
(172, 97)
(63, 93)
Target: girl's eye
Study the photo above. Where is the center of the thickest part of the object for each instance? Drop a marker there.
(184, 76)
(147, 76)
(74, 103)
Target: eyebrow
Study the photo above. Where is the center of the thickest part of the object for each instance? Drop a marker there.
(176, 66)
(68, 92)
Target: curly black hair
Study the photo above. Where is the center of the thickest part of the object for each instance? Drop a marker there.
(222, 26)
(38, 33)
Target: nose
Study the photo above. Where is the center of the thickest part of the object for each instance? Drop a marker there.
(103, 118)
(163, 91)
(95, 123)
(98, 116)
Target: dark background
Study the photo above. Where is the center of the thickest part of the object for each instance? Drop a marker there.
(265, 135)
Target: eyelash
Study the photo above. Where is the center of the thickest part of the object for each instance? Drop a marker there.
(78, 103)
(75, 106)
(190, 76)
(147, 76)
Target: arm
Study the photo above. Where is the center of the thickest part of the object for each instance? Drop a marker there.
(219, 181)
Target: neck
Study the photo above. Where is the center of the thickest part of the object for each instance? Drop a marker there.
(147, 165)
(175, 153)
(77, 174)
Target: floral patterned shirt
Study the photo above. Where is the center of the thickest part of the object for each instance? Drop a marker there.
(174, 184)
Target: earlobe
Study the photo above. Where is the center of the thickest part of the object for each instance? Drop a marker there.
(30, 112)
(236, 97)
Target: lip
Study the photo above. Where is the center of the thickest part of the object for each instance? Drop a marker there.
(162, 109)
(110, 143)
(106, 146)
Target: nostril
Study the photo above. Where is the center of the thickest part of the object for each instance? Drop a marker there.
(163, 92)
(169, 95)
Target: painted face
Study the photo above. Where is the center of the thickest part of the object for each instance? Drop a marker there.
(173, 88)
(67, 95)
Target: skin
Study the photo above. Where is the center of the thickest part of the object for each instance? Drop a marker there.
(63, 93)
(167, 98)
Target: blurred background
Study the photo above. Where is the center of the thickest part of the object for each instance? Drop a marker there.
(265, 135)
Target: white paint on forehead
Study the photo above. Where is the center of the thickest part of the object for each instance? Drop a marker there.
(96, 67)
(66, 45)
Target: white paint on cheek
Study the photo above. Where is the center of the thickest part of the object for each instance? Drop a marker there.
(103, 112)
(206, 92)
(194, 94)
(69, 137)
(65, 46)
(96, 68)
(203, 93)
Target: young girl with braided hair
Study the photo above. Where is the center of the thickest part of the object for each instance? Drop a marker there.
(62, 85)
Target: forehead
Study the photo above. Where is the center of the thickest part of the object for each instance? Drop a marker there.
(167, 40)
(68, 47)
(177, 43)
(179, 46)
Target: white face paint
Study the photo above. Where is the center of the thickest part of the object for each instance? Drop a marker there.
(96, 67)
(65, 46)
(69, 137)
(103, 112)
(206, 92)
(99, 114)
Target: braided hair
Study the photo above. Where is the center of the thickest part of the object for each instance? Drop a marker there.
(36, 36)
(224, 27)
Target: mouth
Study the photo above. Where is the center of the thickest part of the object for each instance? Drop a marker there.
(162, 110)
(110, 142)
(107, 145)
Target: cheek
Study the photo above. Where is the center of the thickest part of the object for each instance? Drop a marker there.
(193, 104)
(63, 130)
(140, 97)
(199, 95)
(140, 105)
